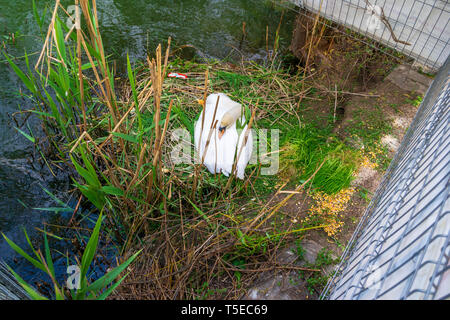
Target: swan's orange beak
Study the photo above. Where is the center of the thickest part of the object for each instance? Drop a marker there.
(221, 132)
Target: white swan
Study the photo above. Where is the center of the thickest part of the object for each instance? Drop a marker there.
(224, 141)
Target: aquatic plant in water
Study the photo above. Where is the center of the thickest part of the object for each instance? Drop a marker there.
(82, 290)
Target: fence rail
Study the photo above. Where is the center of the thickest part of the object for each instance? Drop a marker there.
(9, 288)
(417, 28)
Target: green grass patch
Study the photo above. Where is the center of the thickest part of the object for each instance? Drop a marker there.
(307, 147)
(369, 126)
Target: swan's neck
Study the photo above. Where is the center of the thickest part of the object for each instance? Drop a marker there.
(231, 116)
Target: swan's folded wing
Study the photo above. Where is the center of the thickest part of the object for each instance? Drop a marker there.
(246, 153)
(226, 150)
(201, 141)
(210, 157)
(220, 154)
(197, 130)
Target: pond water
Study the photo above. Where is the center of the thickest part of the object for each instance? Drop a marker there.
(212, 27)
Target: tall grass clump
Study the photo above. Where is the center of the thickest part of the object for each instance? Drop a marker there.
(309, 146)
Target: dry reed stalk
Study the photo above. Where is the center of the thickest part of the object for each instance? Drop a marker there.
(197, 167)
(322, 31)
(212, 127)
(166, 58)
(275, 41)
(97, 76)
(97, 40)
(210, 133)
(244, 142)
(138, 169)
(309, 50)
(46, 42)
(158, 145)
(80, 73)
(75, 210)
(361, 94)
(166, 124)
(335, 103)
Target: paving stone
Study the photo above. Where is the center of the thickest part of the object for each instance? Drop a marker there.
(408, 79)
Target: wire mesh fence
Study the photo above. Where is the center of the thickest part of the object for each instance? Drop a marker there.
(419, 29)
(401, 248)
(10, 289)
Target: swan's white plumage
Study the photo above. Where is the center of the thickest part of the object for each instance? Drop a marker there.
(221, 153)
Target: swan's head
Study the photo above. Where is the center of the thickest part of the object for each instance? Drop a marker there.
(229, 118)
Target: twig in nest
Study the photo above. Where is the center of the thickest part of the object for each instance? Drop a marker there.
(335, 103)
